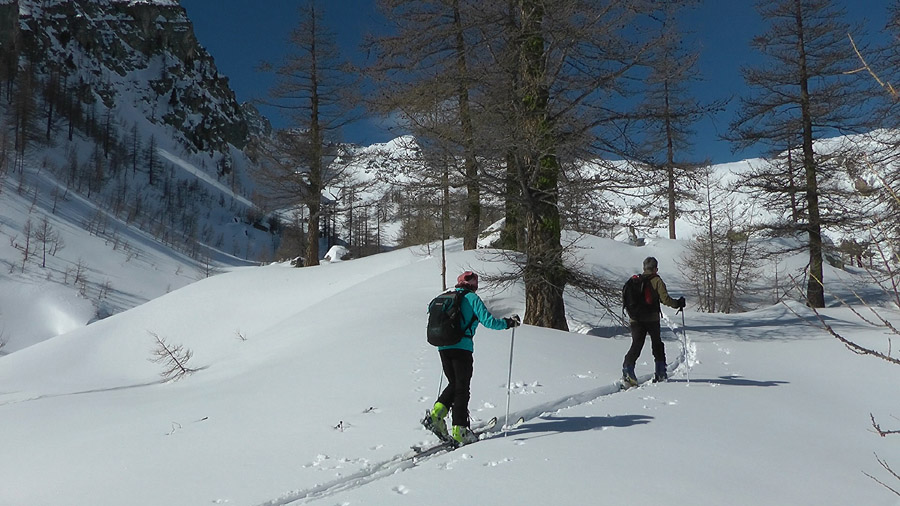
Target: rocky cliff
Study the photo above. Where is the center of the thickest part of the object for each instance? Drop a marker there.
(128, 57)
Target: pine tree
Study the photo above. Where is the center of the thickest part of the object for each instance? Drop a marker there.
(24, 113)
(669, 112)
(316, 88)
(541, 78)
(430, 71)
(567, 61)
(804, 91)
(151, 158)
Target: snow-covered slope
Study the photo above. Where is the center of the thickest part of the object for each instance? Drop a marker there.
(84, 262)
(95, 220)
(310, 384)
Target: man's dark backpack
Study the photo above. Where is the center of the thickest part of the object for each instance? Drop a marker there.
(639, 299)
(445, 325)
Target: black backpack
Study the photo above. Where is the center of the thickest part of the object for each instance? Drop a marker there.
(445, 325)
(639, 299)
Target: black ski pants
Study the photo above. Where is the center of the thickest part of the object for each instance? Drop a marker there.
(639, 331)
(458, 366)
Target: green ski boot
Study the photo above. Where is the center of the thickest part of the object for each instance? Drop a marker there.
(464, 435)
(434, 421)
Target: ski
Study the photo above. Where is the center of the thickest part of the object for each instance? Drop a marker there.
(626, 385)
(516, 425)
(442, 445)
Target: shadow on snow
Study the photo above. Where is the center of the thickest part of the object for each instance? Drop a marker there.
(734, 381)
(548, 425)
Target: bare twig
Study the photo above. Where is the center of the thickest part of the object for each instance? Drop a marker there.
(887, 86)
(885, 465)
(881, 432)
(892, 276)
(175, 427)
(856, 348)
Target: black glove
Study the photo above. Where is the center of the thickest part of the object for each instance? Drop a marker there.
(512, 322)
(681, 302)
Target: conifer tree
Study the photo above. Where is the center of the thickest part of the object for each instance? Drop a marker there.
(544, 75)
(433, 62)
(570, 62)
(669, 112)
(804, 91)
(315, 87)
(24, 113)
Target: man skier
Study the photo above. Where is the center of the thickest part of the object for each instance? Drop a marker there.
(457, 363)
(649, 324)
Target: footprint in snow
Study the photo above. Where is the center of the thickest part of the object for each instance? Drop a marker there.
(318, 462)
(401, 489)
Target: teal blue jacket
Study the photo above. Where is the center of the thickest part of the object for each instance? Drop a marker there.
(473, 305)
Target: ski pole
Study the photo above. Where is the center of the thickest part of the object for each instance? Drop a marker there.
(684, 347)
(512, 341)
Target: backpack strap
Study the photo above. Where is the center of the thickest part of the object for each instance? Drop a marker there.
(466, 327)
(653, 294)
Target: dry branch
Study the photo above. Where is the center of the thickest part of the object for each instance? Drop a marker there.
(887, 86)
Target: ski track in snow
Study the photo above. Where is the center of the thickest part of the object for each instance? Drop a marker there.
(411, 459)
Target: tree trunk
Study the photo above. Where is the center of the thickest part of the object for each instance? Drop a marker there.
(545, 275)
(312, 234)
(512, 236)
(670, 163)
(713, 270)
(815, 289)
(314, 193)
(473, 188)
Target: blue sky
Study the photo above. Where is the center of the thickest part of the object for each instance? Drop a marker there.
(241, 33)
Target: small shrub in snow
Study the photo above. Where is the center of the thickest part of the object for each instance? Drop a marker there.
(173, 357)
